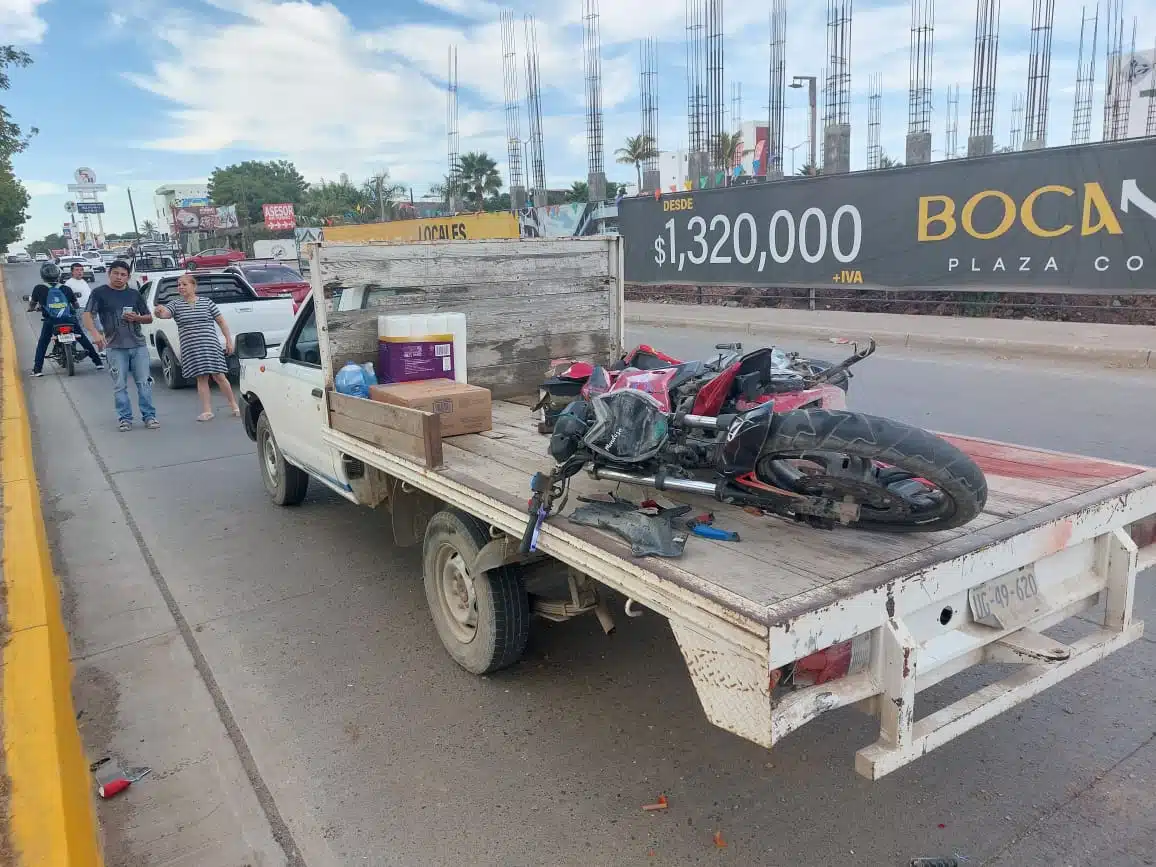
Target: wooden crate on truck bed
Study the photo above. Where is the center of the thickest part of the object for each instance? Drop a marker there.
(410, 432)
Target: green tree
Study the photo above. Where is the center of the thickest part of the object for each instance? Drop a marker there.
(810, 171)
(334, 199)
(148, 227)
(886, 162)
(49, 242)
(726, 147)
(444, 188)
(480, 178)
(253, 183)
(382, 194)
(13, 196)
(579, 192)
(499, 202)
(637, 150)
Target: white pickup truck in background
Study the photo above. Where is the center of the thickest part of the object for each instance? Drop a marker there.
(242, 309)
(147, 267)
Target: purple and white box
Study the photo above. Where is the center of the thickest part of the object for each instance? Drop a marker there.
(408, 359)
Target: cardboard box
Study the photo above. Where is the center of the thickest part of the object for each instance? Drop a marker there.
(461, 408)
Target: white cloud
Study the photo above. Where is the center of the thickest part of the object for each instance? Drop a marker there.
(295, 78)
(44, 188)
(19, 22)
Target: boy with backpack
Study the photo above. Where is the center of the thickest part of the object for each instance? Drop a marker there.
(57, 304)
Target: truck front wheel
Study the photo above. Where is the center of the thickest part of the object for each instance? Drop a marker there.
(483, 620)
(285, 483)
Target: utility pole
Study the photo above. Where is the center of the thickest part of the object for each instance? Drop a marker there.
(132, 211)
(812, 98)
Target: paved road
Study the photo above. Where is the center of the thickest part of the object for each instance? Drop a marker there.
(279, 670)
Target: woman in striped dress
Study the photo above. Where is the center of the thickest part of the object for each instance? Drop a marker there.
(201, 355)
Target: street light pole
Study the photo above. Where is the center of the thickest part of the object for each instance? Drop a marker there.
(812, 98)
(132, 211)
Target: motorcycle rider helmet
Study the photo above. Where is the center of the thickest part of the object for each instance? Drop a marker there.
(50, 272)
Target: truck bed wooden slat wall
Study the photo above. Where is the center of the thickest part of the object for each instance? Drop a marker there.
(505, 289)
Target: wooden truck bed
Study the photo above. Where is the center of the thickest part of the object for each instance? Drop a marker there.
(779, 561)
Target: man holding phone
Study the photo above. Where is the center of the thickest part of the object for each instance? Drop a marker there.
(121, 311)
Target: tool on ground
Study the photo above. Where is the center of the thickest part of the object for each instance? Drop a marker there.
(112, 779)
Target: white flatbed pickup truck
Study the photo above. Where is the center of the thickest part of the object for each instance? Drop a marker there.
(243, 310)
(907, 611)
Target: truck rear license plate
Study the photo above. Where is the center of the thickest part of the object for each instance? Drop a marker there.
(66, 338)
(1007, 602)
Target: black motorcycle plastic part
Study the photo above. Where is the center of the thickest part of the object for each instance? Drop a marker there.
(648, 535)
(569, 428)
(745, 439)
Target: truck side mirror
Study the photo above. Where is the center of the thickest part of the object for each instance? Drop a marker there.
(251, 344)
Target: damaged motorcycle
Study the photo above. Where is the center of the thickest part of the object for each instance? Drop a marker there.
(823, 383)
(749, 433)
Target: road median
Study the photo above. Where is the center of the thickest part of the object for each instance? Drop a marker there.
(1132, 346)
(52, 822)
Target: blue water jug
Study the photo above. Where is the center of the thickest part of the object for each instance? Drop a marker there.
(352, 380)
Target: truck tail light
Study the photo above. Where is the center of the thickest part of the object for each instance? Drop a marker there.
(834, 662)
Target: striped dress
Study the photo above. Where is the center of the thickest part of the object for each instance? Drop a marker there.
(201, 350)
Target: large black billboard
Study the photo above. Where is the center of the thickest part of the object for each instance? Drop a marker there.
(1073, 219)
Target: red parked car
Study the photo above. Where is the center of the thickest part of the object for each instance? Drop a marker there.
(218, 257)
(273, 280)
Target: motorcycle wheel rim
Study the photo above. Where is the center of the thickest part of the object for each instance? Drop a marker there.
(884, 494)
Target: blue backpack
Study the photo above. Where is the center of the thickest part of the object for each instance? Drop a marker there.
(56, 304)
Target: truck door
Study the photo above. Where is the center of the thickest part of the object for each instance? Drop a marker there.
(298, 418)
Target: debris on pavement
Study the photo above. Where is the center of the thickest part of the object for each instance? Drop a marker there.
(660, 804)
(949, 861)
(719, 841)
(112, 779)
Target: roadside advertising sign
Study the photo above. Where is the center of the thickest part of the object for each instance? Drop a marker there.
(279, 217)
(1073, 219)
(90, 207)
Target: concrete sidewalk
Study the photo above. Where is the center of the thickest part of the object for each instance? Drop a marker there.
(1124, 345)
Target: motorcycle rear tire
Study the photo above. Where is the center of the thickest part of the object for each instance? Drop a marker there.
(891, 442)
(69, 361)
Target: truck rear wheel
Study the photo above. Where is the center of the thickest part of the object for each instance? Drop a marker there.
(483, 620)
(286, 484)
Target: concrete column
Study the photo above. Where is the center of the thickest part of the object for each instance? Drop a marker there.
(918, 148)
(837, 149)
(980, 145)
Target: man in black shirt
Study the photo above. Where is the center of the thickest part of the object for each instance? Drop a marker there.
(45, 299)
(115, 314)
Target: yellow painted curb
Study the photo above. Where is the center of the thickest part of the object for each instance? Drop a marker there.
(51, 814)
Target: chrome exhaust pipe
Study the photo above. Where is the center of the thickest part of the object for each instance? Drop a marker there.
(659, 483)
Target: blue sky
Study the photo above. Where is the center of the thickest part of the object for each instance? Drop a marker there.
(153, 91)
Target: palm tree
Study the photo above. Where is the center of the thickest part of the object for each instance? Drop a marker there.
(381, 193)
(479, 177)
(726, 146)
(886, 162)
(810, 171)
(638, 150)
(148, 227)
(579, 192)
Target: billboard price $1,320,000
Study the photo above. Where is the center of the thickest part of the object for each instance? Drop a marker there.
(1074, 219)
